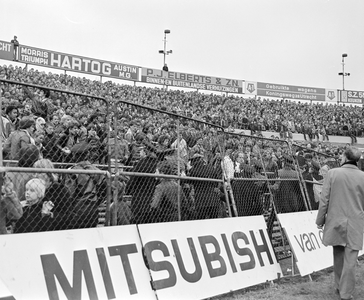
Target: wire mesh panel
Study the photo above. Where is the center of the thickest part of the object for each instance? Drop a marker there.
(165, 143)
(264, 179)
(64, 125)
(49, 127)
(53, 199)
(314, 166)
(265, 167)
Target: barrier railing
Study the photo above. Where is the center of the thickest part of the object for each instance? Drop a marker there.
(45, 131)
(168, 143)
(314, 166)
(263, 178)
(163, 166)
(55, 199)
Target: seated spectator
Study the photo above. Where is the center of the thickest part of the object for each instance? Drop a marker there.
(10, 206)
(56, 196)
(28, 156)
(87, 191)
(32, 220)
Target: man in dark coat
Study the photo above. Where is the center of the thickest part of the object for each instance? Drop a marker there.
(207, 196)
(141, 187)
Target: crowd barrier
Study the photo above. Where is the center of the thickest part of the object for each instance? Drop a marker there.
(185, 174)
(201, 172)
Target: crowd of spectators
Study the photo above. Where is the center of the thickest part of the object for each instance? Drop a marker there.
(60, 127)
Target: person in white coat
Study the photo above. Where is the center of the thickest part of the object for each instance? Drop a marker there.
(341, 215)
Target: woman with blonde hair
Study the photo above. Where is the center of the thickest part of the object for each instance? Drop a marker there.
(48, 178)
(57, 196)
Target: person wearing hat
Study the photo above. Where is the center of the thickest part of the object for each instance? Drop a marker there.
(20, 138)
(340, 215)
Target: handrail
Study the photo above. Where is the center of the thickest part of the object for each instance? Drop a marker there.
(60, 171)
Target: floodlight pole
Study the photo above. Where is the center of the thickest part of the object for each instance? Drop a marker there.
(343, 74)
(164, 51)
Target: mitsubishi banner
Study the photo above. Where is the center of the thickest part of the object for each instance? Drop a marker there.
(176, 260)
(193, 81)
(70, 62)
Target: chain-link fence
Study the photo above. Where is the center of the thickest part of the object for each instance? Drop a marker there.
(314, 166)
(44, 120)
(170, 165)
(55, 199)
(38, 133)
(263, 179)
(148, 165)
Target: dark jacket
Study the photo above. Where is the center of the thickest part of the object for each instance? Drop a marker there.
(142, 188)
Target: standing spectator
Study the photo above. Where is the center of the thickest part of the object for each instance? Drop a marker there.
(87, 191)
(181, 143)
(341, 213)
(207, 194)
(227, 164)
(142, 188)
(20, 138)
(123, 212)
(164, 205)
(67, 140)
(50, 150)
(129, 135)
(15, 44)
(10, 120)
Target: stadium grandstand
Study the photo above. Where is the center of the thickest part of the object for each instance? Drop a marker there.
(82, 153)
(135, 131)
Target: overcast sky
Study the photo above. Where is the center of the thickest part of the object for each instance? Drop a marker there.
(292, 42)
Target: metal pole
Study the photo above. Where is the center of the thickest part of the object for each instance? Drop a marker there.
(343, 74)
(179, 172)
(165, 48)
(1, 133)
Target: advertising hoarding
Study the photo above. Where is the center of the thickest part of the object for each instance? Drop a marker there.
(347, 96)
(70, 62)
(192, 81)
(290, 91)
(6, 50)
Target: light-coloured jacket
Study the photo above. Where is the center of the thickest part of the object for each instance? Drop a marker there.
(342, 207)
